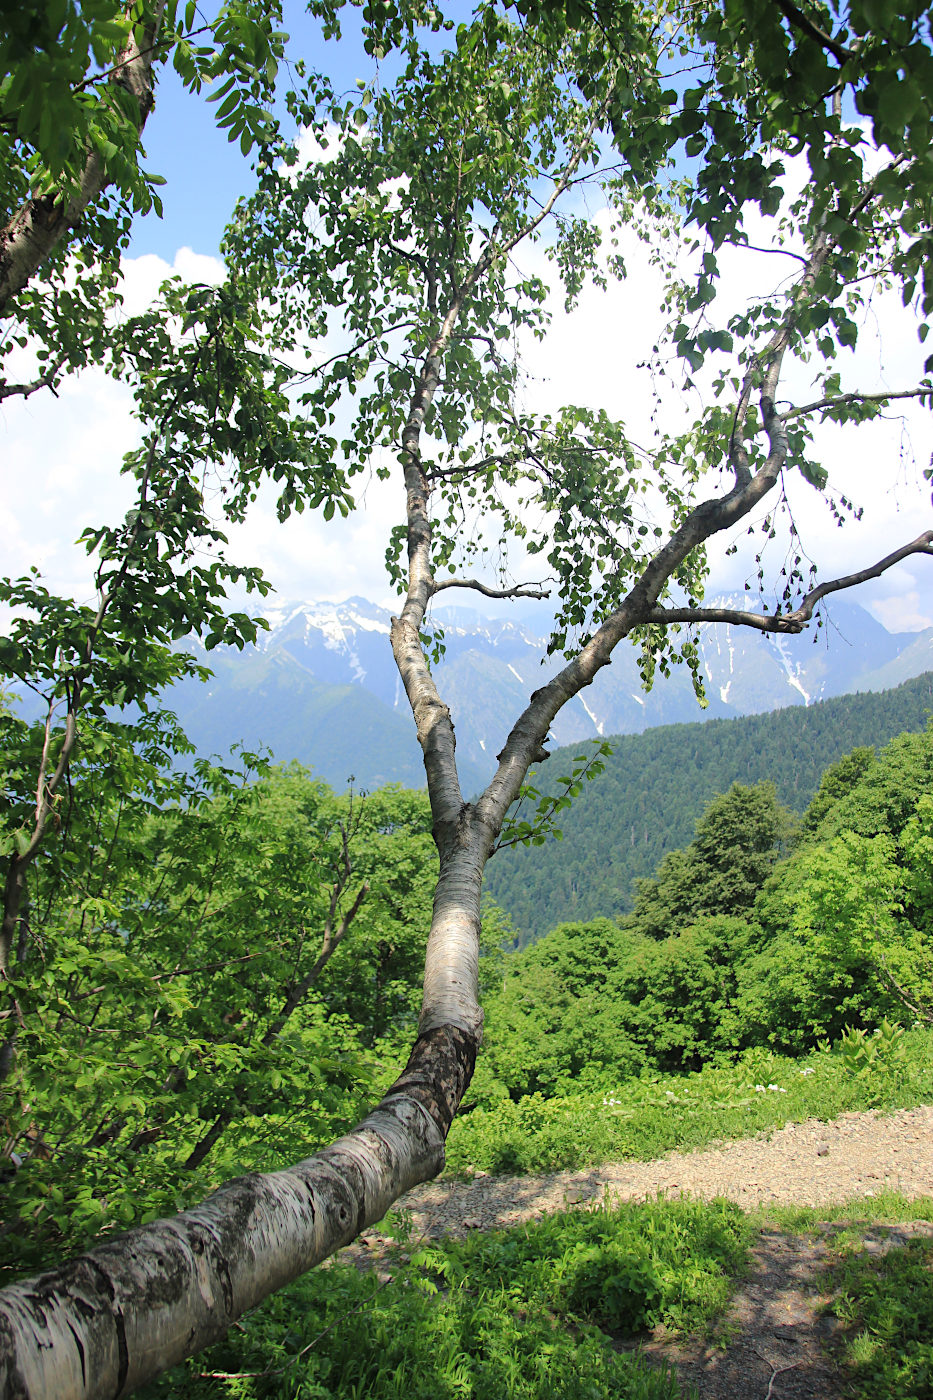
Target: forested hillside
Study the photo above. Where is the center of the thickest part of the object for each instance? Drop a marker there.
(656, 784)
(761, 932)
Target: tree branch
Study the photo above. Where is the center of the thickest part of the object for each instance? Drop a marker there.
(799, 21)
(520, 590)
(796, 620)
(37, 228)
(43, 381)
(838, 399)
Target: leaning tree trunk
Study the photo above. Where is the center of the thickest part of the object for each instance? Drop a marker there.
(129, 1308)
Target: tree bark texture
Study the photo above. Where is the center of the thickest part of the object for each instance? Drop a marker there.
(118, 1315)
(37, 228)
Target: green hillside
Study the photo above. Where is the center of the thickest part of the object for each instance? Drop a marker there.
(656, 785)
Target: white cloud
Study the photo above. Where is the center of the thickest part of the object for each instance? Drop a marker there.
(910, 611)
(596, 356)
(67, 451)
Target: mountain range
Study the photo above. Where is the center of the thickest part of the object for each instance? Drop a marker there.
(321, 686)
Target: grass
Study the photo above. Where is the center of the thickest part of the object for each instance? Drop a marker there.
(884, 1299)
(524, 1314)
(533, 1313)
(885, 1208)
(886, 1302)
(890, 1301)
(646, 1117)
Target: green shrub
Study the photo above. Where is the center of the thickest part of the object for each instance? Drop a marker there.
(645, 1117)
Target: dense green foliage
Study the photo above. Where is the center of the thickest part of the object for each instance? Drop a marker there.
(175, 923)
(177, 1017)
(656, 785)
(639, 1117)
(742, 939)
(184, 920)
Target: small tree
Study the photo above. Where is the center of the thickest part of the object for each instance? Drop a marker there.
(409, 267)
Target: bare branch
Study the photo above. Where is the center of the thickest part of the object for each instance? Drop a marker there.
(924, 1014)
(142, 53)
(43, 381)
(561, 185)
(756, 248)
(796, 620)
(923, 544)
(835, 401)
(520, 590)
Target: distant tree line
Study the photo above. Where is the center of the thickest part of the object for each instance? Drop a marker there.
(763, 930)
(656, 785)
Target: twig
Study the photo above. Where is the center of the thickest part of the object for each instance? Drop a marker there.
(837, 400)
(43, 381)
(520, 590)
(775, 1372)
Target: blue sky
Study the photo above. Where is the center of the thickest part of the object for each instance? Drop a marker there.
(205, 172)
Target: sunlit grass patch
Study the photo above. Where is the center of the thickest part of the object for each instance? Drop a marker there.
(650, 1115)
(886, 1207)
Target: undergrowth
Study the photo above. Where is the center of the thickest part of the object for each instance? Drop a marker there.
(646, 1117)
(533, 1313)
(886, 1302)
(522, 1314)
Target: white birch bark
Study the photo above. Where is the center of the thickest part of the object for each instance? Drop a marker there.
(134, 1305)
(39, 225)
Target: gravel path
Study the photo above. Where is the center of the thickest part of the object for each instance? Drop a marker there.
(806, 1164)
(777, 1339)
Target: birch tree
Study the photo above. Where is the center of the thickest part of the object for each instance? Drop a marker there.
(392, 274)
(78, 84)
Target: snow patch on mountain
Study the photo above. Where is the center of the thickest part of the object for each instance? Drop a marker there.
(337, 638)
(600, 726)
(724, 689)
(369, 624)
(791, 668)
